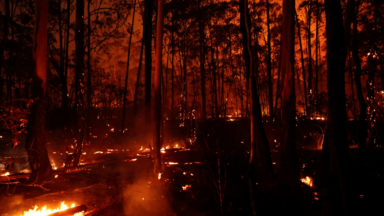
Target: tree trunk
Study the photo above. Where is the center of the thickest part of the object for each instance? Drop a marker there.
(89, 80)
(363, 129)
(138, 77)
(260, 165)
(202, 71)
(289, 172)
(147, 28)
(35, 143)
(317, 56)
(302, 67)
(335, 182)
(74, 159)
(269, 66)
(127, 71)
(157, 91)
(64, 81)
(310, 74)
(3, 43)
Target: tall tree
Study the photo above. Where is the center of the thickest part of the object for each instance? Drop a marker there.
(202, 70)
(147, 28)
(260, 165)
(302, 66)
(74, 159)
(310, 72)
(36, 143)
(3, 42)
(157, 85)
(269, 64)
(289, 172)
(89, 76)
(126, 73)
(335, 181)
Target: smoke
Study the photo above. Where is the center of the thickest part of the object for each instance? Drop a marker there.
(146, 198)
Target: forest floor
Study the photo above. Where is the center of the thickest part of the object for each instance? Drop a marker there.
(207, 178)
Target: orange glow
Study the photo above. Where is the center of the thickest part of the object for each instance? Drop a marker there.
(44, 211)
(307, 180)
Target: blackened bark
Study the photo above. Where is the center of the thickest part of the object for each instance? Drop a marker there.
(157, 88)
(147, 28)
(302, 66)
(363, 129)
(289, 172)
(35, 142)
(89, 80)
(335, 181)
(310, 73)
(269, 66)
(138, 77)
(3, 43)
(74, 159)
(260, 163)
(202, 70)
(127, 71)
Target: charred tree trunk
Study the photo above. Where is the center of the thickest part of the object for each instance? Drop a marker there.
(335, 183)
(89, 80)
(147, 28)
(363, 129)
(74, 159)
(289, 172)
(35, 143)
(3, 43)
(157, 88)
(302, 66)
(138, 77)
(310, 108)
(63, 78)
(127, 71)
(260, 165)
(269, 66)
(317, 55)
(64, 81)
(202, 70)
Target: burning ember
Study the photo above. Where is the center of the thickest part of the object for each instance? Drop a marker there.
(186, 187)
(44, 211)
(5, 174)
(307, 180)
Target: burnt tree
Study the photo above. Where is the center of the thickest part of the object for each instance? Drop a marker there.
(35, 142)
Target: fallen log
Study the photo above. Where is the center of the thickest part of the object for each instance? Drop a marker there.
(70, 211)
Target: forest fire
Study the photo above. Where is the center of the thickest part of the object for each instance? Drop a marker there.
(124, 105)
(46, 212)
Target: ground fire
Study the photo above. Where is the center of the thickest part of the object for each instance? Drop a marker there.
(225, 107)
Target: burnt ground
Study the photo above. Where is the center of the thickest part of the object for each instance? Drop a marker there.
(208, 179)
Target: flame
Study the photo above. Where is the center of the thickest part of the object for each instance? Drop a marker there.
(44, 211)
(186, 187)
(5, 174)
(159, 176)
(307, 180)
(173, 163)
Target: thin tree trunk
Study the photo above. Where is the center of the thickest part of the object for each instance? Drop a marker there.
(64, 101)
(89, 80)
(64, 81)
(335, 181)
(260, 157)
(36, 139)
(269, 66)
(3, 43)
(289, 171)
(173, 68)
(127, 71)
(148, 57)
(157, 89)
(310, 73)
(302, 66)
(138, 77)
(317, 56)
(74, 159)
(202, 71)
(363, 129)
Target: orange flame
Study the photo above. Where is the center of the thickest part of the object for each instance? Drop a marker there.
(44, 211)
